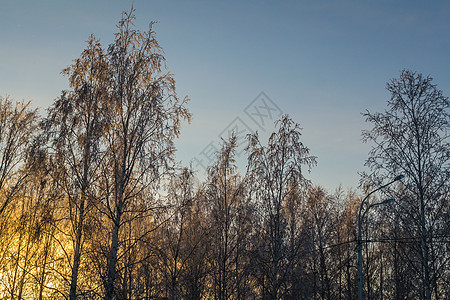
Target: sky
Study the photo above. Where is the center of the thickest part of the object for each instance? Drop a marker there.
(243, 64)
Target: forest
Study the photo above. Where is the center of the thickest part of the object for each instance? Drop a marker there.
(94, 205)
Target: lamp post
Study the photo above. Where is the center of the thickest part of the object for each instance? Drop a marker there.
(360, 219)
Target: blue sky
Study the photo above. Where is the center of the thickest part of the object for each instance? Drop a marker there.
(322, 62)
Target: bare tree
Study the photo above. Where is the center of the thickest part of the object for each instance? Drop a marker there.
(344, 245)
(197, 245)
(171, 246)
(32, 256)
(225, 192)
(318, 220)
(74, 128)
(18, 123)
(412, 138)
(144, 116)
(273, 170)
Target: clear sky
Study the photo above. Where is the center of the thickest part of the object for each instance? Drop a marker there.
(322, 62)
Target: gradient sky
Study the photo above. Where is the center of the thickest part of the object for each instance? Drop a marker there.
(322, 62)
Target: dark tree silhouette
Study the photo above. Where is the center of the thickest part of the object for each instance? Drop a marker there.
(144, 116)
(412, 138)
(74, 128)
(274, 170)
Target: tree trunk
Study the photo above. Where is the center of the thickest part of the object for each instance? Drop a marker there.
(425, 252)
(42, 279)
(381, 276)
(77, 254)
(112, 260)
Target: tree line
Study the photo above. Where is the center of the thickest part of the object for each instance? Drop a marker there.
(93, 204)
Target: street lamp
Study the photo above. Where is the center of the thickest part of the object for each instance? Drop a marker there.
(360, 219)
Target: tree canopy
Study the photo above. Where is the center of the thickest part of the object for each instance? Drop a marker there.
(94, 205)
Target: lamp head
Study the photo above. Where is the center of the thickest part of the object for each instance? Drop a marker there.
(389, 201)
(398, 177)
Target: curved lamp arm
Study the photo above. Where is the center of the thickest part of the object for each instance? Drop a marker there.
(360, 218)
(387, 201)
(375, 190)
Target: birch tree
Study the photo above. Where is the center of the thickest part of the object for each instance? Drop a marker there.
(273, 169)
(144, 116)
(412, 138)
(226, 194)
(18, 124)
(74, 130)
